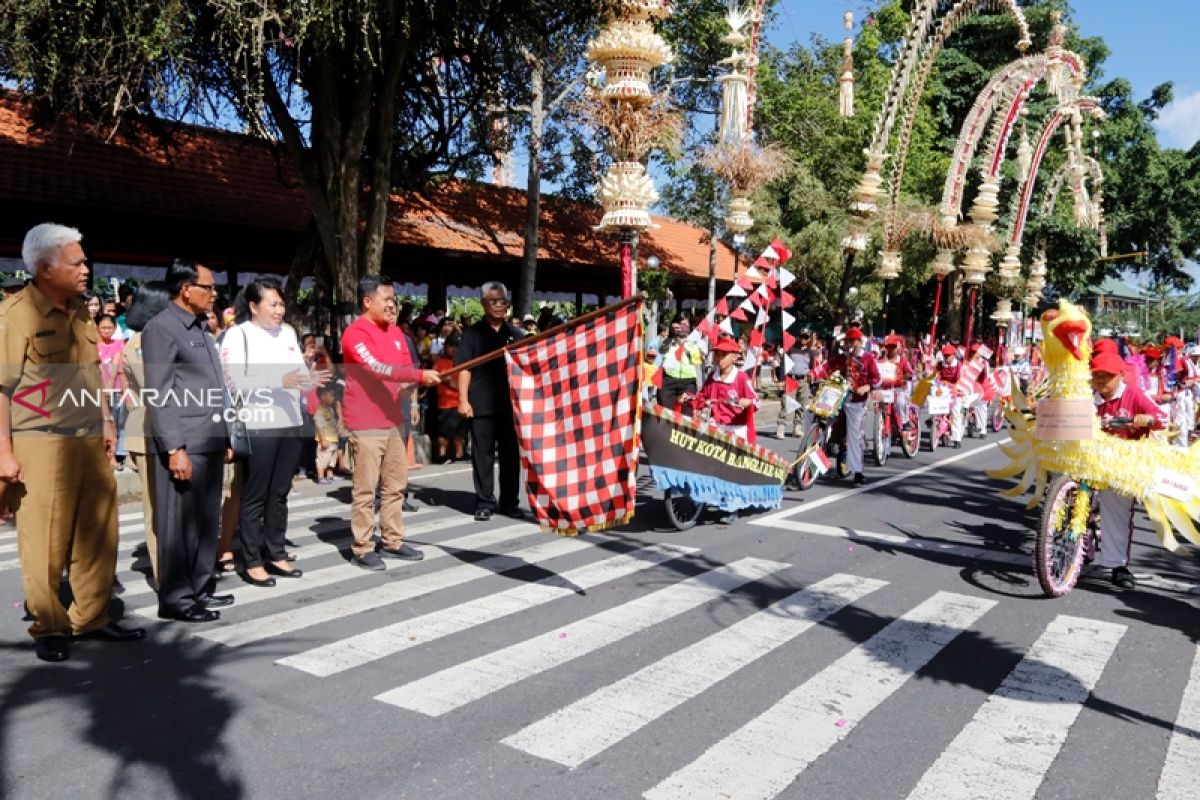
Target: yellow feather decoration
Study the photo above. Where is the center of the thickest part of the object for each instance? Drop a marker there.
(1133, 468)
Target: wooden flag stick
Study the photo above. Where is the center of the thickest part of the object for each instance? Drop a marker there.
(546, 334)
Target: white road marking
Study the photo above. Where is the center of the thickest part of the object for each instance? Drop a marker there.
(240, 633)
(765, 755)
(375, 644)
(1178, 780)
(589, 726)
(807, 506)
(459, 685)
(1010, 743)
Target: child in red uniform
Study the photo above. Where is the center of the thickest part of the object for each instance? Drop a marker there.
(731, 399)
(452, 428)
(1117, 398)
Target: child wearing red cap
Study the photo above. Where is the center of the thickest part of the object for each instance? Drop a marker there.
(1117, 398)
(896, 373)
(731, 398)
(862, 372)
(948, 373)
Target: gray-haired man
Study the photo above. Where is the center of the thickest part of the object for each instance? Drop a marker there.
(485, 401)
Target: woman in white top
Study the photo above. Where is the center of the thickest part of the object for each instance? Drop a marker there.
(267, 377)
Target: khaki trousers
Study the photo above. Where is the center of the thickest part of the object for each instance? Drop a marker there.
(145, 469)
(66, 513)
(380, 460)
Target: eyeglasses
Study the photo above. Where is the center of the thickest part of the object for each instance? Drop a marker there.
(496, 301)
(208, 287)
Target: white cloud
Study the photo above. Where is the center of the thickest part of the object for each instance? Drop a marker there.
(1179, 124)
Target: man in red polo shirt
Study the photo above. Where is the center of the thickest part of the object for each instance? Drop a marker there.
(378, 365)
(1117, 398)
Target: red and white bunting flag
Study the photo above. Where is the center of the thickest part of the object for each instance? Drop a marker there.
(781, 252)
(727, 326)
(739, 313)
(785, 278)
(786, 299)
(820, 462)
(753, 273)
(722, 307)
(788, 319)
(735, 291)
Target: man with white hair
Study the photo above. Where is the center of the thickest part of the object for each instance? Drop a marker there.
(483, 399)
(55, 446)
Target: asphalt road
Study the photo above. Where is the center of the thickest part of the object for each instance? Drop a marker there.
(882, 642)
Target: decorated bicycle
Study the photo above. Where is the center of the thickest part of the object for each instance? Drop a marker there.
(824, 436)
(1076, 470)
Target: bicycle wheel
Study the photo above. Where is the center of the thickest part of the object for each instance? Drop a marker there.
(910, 438)
(998, 417)
(805, 474)
(682, 510)
(1058, 553)
(883, 441)
(935, 433)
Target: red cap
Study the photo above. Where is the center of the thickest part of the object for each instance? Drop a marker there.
(1173, 341)
(727, 345)
(1151, 352)
(1104, 345)
(854, 335)
(949, 350)
(892, 339)
(1107, 360)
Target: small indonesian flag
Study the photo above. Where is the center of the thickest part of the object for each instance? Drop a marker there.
(820, 461)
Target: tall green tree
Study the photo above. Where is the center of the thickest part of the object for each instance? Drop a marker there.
(367, 96)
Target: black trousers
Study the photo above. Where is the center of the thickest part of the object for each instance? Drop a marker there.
(274, 456)
(671, 390)
(492, 437)
(187, 518)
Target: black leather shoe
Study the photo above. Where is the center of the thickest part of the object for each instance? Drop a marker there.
(483, 515)
(52, 648)
(1122, 578)
(266, 583)
(113, 632)
(215, 600)
(859, 480)
(515, 512)
(283, 573)
(290, 557)
(196, 613)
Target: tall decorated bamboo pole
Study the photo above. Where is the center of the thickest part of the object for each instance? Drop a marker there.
(632, 117)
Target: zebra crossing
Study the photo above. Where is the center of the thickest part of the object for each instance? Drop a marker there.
(1005, 749)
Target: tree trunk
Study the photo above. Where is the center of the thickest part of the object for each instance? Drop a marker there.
(955, 305)
(378, 194)
(533, 188)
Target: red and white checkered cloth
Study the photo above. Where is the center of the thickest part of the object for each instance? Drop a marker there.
(577, 402)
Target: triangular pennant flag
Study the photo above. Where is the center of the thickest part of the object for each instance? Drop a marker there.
(722, 307)
(787, 299)
(763, 316)
(770, 253)
(788, 341)
(748, 306)
(785, 278)
(704, 326)
(657, 380)
(757, 337)
(762, 262)
(753, 273)
(788, 319)
(782, 253)
(763, 291)
(727, 326)
(791, 385)
(735, 291)
(738, 313)
(790, 405)
(745, 283)
(773, 281)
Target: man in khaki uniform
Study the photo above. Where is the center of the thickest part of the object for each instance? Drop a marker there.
(54, 445)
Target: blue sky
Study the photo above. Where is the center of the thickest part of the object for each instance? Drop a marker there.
(1152, 41)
